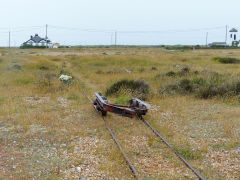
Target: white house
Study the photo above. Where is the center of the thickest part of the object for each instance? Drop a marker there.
(38, 41)
(234, 37)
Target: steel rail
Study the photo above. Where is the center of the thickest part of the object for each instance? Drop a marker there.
(170, 146)
(122, 151)
(134, 171)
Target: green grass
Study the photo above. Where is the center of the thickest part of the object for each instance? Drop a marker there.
(188, 153)
(122, 100)
(227, 60)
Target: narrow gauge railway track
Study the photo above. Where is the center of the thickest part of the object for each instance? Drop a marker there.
(133, 169)
(128, 113)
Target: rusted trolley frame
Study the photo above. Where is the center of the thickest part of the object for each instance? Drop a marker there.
(136, 107)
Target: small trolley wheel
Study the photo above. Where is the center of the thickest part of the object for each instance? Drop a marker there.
(104, 113)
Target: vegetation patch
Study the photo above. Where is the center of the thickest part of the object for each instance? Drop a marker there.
(140, 88)
(16, 67)
(2, 100)
(188, 153)
(46, 80)
(171, 74)
(154, 68)
(41, 65)
(209, 86)
(24, 81)
(56, 59)
(226, 146)
(44, 68)
(227, 60)
(122, 100)
(183, 72)
(26, 46)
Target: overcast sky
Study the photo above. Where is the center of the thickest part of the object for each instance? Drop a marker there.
(120, 15)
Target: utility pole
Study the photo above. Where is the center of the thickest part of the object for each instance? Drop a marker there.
(46, 36)
(115, 38)
(46, 31)
(207, 39)
(9, 39)
(111, 42)
(226, 35)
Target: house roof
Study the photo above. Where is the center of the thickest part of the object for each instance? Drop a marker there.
(37, 39)
(233, 30)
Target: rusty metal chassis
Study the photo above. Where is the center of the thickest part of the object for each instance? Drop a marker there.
(136, 107)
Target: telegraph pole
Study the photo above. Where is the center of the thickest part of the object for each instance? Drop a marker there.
(115, 38)
(226, 35)
(111, 42)
(46, 31)
(207, 39)
(9, 39)
(46, 36)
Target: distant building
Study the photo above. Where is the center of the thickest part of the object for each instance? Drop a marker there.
(56, 45)
(38, 41)
(217, 44)
(234, 41)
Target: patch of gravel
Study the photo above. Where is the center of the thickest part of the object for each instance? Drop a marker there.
(168, 115)
(154, 108)
(63, 102)
(3, 162)
(85, 150)
(37, 129)
(227, 163)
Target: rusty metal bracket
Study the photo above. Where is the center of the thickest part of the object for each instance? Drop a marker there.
(136, 107)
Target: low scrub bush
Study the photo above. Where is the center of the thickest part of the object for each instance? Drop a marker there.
(154, 68)
(48, 82)
(237, 87)
(16, 67)
(199, 81)
(56, 59)
(212, 91)
(213, 85)
(44, 68)
(46, 79)
(140, 88)
(184, 71)
(227, 60)
(186, 85)
(171, 74)
(99, 72)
